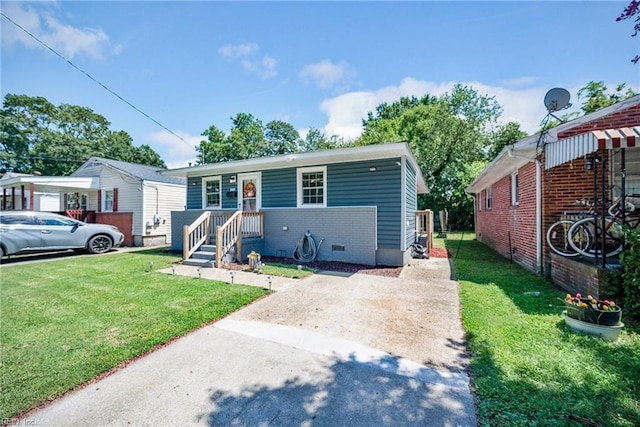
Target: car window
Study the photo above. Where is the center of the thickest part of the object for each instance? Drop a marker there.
(55, 221)
(16, 219)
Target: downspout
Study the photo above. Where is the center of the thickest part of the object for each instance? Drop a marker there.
(538, 207)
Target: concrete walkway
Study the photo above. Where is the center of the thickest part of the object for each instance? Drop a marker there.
(331, 350)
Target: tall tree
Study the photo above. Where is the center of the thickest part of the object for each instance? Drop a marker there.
(281, 138)
(507, 134)
(446, 134)
(247, 137)
(36, 135)
(633, 9)
(596, 97)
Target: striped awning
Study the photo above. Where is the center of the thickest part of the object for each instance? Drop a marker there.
(568, 149)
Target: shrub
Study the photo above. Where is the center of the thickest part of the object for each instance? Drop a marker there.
(630, 261)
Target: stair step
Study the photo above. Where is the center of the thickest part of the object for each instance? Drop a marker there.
(204, 255)
(206, 263)
(208, 248)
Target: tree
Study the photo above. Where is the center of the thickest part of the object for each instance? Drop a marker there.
(507, 134)
(54, 140)
(446, 135)
(597, 97)
(281, 138)
(633, 9)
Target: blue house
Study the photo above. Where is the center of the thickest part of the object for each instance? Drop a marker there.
(358, 205)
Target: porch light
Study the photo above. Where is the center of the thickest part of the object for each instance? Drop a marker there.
(372, 169)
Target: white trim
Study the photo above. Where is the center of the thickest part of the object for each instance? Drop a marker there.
(310, 158)
(257, 176)
(403, 205)
(206, 179)
(299, 198)
(103, 201)
(488, 198)
(515, 189)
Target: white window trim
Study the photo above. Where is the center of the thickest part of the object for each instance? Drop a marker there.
(104, 200)
(488, 199)
(204, 191)
(301, 171)
(515, 189)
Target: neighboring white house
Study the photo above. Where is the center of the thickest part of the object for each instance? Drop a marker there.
(136, 198)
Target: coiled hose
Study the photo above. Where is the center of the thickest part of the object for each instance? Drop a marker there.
(306, 249)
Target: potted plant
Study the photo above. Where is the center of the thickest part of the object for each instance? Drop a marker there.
(589, 309)
(592, 316)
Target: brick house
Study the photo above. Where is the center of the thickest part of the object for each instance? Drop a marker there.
(533, 182)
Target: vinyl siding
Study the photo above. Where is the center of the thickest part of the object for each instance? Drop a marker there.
(348, 184)
(169, 198)
(279, 188)
(411, 204)
(353, 184)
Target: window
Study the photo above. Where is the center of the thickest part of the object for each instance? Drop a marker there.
(211, 192)
(312, 185)
(515, 189)
(76, 201)
(107, 200)
(488, 198)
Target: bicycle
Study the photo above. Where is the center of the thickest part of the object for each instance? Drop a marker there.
(611, 238)
(558, 232)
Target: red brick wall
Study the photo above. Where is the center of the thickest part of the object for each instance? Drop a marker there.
(625, 118)
(560, 186)
(122, 220)
(510, 230)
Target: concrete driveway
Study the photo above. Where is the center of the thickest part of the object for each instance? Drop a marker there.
(360, 350)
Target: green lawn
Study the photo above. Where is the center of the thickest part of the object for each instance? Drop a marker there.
(64, 322)
(528, 369)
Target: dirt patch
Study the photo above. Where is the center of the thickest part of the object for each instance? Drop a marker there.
(439, 253)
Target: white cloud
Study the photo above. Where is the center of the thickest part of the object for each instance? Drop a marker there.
(325, 74)
(175, 152)
(69, 41)
(247, 54)
(523, 105)
(235, 51)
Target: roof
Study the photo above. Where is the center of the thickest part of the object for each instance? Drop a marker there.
(311, 158)
(526, 150)
(143, 172)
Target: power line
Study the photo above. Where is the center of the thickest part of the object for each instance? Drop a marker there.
(93, 79)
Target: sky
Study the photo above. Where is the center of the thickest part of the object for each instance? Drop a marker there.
(188, 65)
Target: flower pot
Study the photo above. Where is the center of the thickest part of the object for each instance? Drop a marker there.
(608, 333)
(590, 314)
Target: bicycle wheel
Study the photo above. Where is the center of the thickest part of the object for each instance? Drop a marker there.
(588, 229)
(557, 238)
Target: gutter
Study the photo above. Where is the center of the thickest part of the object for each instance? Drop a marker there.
(538, 206)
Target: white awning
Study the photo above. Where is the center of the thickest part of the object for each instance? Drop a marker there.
(568, 149)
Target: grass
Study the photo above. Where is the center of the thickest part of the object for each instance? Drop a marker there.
(528, 368)
(287, 270)
(65, 322)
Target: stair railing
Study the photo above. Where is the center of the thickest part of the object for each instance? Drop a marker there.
(195, 234)
(227, 235)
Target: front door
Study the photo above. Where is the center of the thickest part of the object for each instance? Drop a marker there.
(249, 192)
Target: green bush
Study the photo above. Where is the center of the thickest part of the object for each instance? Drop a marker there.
(630, 261)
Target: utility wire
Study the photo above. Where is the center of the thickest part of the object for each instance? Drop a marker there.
(93, 79)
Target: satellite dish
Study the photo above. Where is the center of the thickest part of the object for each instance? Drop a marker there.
(557, 99)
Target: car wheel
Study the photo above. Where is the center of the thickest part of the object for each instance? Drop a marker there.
(99, 244)
(1, 252)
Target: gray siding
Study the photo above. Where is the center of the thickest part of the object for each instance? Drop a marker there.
(194, 193)
(411, 204)
(279, 188)
(353, 184)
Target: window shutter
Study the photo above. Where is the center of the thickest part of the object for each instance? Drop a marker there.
(64, 201)
(115, 200)
(99, 201)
